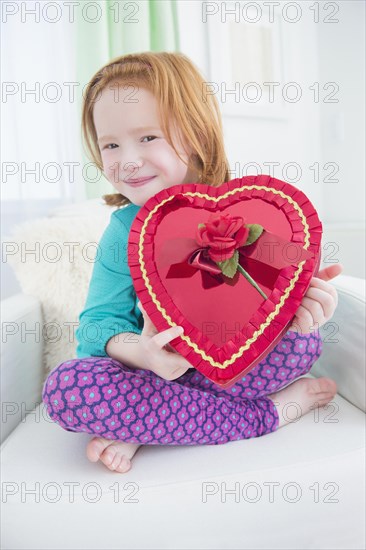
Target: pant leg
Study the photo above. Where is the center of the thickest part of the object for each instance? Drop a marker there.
(101, 396)
(292, 357)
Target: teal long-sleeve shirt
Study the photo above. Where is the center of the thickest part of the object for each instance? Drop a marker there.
(111, 304)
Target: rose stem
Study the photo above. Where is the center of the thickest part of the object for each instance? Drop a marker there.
(248, 277)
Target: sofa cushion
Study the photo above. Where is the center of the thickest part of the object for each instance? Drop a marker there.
(343, 336)
(21, 359)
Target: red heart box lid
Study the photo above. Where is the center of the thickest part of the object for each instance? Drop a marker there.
(229, 327)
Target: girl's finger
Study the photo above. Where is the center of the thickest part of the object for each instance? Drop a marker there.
(178, 373)
(163, 338)
(325, 299)
(304, 320)
(148, 324)
(330, 272)
(169, 348)
(180, 366)
(323, 285)
(315, 310)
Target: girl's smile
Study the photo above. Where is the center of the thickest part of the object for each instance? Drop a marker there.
(137, 159)
(139, 181)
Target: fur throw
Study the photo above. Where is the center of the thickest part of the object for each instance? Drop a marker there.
(58, 274)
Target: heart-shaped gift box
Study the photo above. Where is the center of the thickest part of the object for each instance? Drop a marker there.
(230, 322)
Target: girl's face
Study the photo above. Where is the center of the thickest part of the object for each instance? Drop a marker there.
(137, 159)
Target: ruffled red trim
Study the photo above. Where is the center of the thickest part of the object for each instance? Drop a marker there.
(267, 337)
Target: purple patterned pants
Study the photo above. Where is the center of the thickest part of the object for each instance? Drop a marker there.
(101, 396)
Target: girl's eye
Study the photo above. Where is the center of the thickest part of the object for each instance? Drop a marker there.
(108, 146)
(145, 137)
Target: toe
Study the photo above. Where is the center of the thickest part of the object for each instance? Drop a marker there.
(95, 448)
(109, 455)
(116, 462)
(322, 386)
(329, 386)
(124, 465)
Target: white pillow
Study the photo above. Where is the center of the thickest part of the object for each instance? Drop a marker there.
(90, 207)
(58, 274)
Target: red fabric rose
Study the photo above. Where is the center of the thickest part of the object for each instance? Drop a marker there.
(222, 234)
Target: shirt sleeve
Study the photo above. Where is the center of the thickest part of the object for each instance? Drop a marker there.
(110, 307)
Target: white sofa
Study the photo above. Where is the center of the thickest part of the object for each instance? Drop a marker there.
(300, 487)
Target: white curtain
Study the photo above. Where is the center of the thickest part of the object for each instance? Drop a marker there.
(40, 130)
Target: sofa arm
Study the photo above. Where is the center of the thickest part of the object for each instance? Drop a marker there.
(343, 356)
(21, 359)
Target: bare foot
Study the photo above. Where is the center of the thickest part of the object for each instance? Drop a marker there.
(306, 394)
(116, 455)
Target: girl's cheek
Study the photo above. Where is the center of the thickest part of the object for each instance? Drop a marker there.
(110, 170)
(108, 162)
(161, 155)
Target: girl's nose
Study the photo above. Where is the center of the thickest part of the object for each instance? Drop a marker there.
(131, 166)
(128, 156)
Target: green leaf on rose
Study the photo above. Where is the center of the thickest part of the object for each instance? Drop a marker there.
(201, 225)
(229, 267)
(255, 231)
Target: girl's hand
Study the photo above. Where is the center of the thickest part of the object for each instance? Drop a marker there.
(319, 302)
(166, 364)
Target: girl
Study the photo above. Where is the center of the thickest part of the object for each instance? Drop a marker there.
(148, 128)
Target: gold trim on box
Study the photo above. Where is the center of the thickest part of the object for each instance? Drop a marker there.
(270, 317)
